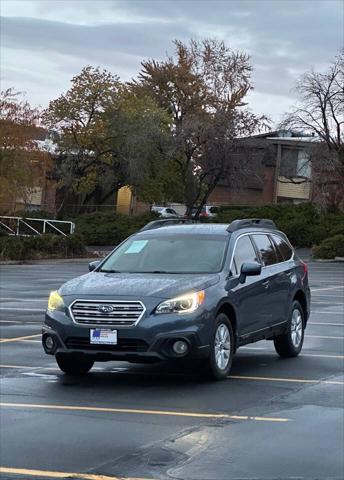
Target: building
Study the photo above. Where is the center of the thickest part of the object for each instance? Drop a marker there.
(280, 171)
(42, 195)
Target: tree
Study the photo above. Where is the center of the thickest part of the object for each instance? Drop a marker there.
(320, 111)
(203, 88)
(108, 136)
(85, 141)
(22, 164)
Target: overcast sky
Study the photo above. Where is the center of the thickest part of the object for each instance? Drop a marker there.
(44, 43)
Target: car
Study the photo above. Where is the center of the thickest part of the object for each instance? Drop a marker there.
(165, 211)
(191, 292)
(207, 211)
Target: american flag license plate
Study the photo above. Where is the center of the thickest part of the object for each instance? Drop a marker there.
(101, 336)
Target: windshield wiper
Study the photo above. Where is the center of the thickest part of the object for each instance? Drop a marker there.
(108, 271)
(155, 271)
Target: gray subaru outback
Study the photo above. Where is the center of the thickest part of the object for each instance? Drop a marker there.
(181, 290)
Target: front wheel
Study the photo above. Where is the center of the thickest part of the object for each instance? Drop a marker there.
(74, 364)
(290, 343)
(221, 348)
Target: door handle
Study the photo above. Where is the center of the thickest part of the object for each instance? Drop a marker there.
(266, 283)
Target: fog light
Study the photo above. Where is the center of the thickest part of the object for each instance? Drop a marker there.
(49, 342)
(180, 347)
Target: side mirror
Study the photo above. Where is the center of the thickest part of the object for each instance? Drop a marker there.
(249, 270)
(93, 265)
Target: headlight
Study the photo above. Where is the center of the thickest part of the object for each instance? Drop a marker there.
(55, 301)
(184, 304)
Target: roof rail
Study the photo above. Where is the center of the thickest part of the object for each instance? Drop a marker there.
(163, 222)
(250, 222)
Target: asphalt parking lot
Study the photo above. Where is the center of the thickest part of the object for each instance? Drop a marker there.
(272, 419)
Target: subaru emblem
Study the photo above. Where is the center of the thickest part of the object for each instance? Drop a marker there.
(105, 308)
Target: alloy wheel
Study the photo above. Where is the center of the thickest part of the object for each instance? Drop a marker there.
(222, 346)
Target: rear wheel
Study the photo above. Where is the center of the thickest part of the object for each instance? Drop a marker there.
(74, 364)
(221, 348)
(290, 343)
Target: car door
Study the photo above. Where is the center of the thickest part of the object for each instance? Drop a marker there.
(249, 296)
(276, 281)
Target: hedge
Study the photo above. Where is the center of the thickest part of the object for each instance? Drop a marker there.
(41, 246)
(108, 228)
(330, 248)
(304, 225)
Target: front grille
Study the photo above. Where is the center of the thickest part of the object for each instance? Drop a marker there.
(123, 313)
(124, 345)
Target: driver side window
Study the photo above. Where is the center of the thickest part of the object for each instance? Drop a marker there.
(244, 252)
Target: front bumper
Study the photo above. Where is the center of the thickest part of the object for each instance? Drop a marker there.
(149, 341)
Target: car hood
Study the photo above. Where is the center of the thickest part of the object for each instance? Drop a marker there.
(137, 284)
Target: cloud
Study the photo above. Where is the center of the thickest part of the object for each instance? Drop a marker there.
(53, 40)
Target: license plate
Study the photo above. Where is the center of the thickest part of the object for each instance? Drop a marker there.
(101, 336)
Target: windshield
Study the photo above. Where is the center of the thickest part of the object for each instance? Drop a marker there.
(168, 254)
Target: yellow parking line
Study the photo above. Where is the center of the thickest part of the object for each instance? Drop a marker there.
(80, 408)
(17, 339)
(291, 380)
(50, 474)
(234, 377)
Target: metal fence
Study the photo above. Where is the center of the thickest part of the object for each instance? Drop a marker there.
(35, 226)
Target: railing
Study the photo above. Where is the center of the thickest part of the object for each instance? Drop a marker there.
(35, 226)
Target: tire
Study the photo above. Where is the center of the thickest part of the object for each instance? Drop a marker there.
(221, 349)
(73, 364)
(290, 343)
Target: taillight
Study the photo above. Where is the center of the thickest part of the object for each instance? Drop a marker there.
(305, 269)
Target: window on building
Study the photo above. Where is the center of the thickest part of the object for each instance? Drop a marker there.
(295, 163)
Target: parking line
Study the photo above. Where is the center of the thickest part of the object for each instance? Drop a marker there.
(317, 355)
(326, 288)
(234, 377)
(307, 336)
(291, 380)
(326, 323)
(80, 408)
(322, 355)
(20, 366)
(323, 302)
(327, 313)
(20, 309)
(17, 339)
(52, 474)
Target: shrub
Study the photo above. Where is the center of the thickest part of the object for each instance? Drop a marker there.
(41, 246)
(108, 228)
(302, 223)
(330, 248)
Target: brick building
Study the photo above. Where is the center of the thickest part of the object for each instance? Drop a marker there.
(280, 171)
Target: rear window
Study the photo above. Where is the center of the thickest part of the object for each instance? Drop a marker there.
(283, 248)
(213, 210)
(266, 249)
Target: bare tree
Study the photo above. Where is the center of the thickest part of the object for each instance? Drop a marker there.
(320, 111)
